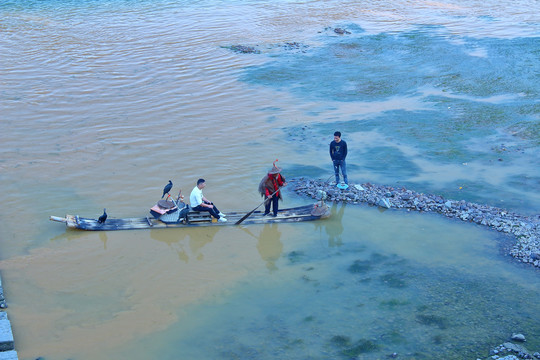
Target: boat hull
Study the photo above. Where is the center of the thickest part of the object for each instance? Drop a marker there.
(302, 213)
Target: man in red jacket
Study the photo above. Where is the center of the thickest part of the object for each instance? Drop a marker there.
(269, 189)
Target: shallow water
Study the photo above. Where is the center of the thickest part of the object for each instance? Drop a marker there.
(102, 102)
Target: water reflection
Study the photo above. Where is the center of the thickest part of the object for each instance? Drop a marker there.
(197, 243)
(198, 238)
(69, 235)
(334, 225)
(173, 240)
(270, 246)
(335, 228)
(103, 238)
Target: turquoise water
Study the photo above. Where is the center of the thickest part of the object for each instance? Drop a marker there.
(102, 102)
(342, 292)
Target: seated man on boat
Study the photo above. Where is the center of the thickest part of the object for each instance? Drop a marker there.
(200, 203)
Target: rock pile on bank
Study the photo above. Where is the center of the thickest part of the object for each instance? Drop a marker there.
(526, 229)
(513, 350)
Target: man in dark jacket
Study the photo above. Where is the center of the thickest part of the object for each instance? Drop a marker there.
(338, 153)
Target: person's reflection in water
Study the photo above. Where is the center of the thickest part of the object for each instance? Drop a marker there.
(173, 238)
(103, 238)
(270, 246)
(334, 226)
(203, 237)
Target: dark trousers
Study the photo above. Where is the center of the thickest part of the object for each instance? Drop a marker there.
(274, 202)
(213, 211)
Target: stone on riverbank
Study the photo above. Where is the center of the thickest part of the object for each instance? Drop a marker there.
(6, 335)
(518, 337)
(511, 351)
(3, 304)
(9, 355)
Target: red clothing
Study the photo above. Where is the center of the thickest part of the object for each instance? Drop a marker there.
(270, 184)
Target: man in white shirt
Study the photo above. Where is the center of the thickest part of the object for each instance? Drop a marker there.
(200, 203)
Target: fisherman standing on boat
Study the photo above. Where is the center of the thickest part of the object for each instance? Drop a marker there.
(269, 189)
(338, 153)
(200, 203)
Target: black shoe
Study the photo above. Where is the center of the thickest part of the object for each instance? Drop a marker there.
(274, 215)
(266, 214)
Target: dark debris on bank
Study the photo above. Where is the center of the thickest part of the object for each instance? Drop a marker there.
(526, 229)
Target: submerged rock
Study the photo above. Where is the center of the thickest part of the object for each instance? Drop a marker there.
(244, 49)
(341, 31)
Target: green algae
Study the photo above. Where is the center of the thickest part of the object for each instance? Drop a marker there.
(393, 303)
(438, 339)
(433, 320)
(396, 64)
(362, 346)
(341, 341)
(394, 279)
(528, 130)
(395, 337)
(296, 256)
(360, 267)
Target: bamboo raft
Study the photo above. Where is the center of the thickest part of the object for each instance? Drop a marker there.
(187, 218)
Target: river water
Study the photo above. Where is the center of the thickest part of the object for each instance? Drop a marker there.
(102, 102)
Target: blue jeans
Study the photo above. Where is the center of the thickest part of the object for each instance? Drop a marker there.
(340, 164)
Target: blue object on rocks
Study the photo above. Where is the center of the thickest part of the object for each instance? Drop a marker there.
(342, 186)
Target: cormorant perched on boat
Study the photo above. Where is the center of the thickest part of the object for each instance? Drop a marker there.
(102, 218)
(167, 188)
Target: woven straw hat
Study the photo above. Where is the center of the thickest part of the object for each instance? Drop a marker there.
(274, 169)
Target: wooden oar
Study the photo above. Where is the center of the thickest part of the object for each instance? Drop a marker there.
(252, 211)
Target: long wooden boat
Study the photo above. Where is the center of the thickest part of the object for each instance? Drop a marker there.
(184, 218)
